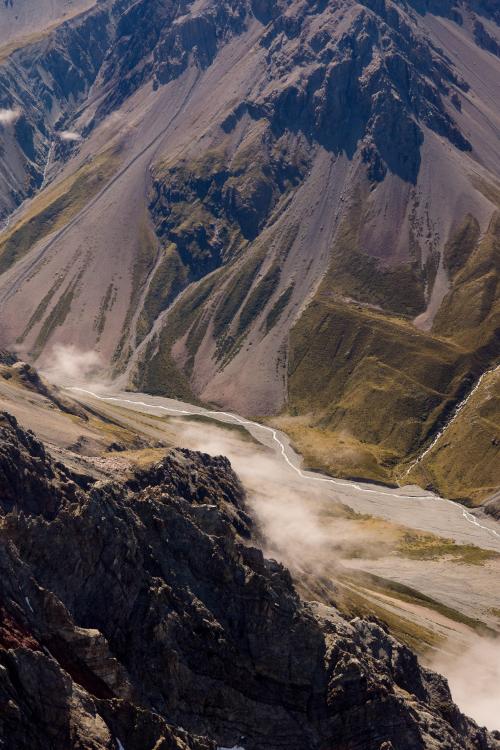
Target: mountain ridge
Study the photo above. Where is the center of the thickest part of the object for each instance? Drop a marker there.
(310, 152)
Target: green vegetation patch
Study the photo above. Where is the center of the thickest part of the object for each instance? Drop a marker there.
(158, 373)
(470, 312)
(429, 547)
(461, 244)
(377, 378)
(41, 308)
(142, 268)
(236, 429)
(105, 306)
(169, 279)
(378, 584)
(357, 274)
(57, 315)
(464, 464)
(235, 292)
(415, 636)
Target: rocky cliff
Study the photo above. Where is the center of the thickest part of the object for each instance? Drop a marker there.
(138, 614)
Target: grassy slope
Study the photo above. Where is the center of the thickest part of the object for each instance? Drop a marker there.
(158, 373)
(367, 390)
(55, 207)
(390, 383)
(465, 463)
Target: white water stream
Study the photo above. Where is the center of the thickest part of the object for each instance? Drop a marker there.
(452, 418)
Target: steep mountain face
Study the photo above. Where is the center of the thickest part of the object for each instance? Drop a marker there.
(21, 20)
(281, 207)
(41, 84)
(137, 614)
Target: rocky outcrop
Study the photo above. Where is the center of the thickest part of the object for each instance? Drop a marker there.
(31, 379)
(377, 83)
(7, 358)
(492, 506)
(129, 610)
(235, 191)
(486, 40)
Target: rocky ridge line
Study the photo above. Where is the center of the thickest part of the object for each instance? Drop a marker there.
(131, 609)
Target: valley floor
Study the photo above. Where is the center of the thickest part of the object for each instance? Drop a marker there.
(425, 566)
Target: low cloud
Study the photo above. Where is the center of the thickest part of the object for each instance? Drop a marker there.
(292, 518)
(306, 530)
(69, 135)
(474, 678)
(9, 116)
(69, 365)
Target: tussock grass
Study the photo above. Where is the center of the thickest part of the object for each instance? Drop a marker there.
(429, 547)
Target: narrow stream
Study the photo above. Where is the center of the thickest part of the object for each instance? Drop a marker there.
(412, 507)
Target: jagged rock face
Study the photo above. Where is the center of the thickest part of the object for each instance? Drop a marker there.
(125, 606)
(493, 506)
(372, 84)
(455, 9)
(358, 93)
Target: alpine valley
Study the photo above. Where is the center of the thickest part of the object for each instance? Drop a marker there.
(278, 221)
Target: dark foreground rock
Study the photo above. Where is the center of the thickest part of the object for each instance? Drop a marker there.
(136, 614)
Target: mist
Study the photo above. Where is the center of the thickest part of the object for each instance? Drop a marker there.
(68, 365)
(69, 135)
(307, 530)
(290, 519)
(474, 679)
(9, 116)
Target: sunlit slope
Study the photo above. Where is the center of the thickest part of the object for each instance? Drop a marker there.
(290, 214)
(395, 388)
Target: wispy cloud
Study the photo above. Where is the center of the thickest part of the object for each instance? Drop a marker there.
(474, 679)
(9, 116)
(70, 365)
(69, 135)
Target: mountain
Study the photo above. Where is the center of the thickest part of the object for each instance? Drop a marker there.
(22, 21)
(137, 613)
(290, 209)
